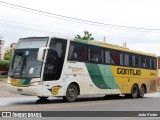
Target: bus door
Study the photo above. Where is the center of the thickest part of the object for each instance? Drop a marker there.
(50, 69)
(54, 64)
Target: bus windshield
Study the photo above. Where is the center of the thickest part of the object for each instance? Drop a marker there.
(24, 64)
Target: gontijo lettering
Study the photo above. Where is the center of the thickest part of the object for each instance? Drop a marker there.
(125, 71)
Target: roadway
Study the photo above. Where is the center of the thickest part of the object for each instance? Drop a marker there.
(150, 102)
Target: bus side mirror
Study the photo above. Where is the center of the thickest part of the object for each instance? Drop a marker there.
(41, 52)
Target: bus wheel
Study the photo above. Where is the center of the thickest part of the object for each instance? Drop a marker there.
(71, 93)
(134, 91)
(142, 91)
(42, 97)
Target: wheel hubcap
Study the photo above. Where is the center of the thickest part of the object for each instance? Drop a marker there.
(71, 92)
(142, 91)
(134, 90)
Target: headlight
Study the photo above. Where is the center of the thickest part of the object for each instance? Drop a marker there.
(35, 83)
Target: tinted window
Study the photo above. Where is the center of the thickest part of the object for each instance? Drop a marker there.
(95, 54)
(126, 59)
(115, 58)
(152, 63)
(77, 52)
(143, 62)
(107, 56)
(136, 61)
(121, 59)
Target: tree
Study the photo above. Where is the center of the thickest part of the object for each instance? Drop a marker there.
(4, 64)
(87, 36)
(8, 56)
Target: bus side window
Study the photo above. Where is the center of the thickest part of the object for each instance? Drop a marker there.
(136, 61)
(115, 58)
(144, 62)
(77, 52)
(95, 54)
(133, 61)
(107, 57)
(84, 54)
(153, 63)
(121, 59)
(126, 59)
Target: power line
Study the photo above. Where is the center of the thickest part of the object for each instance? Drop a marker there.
(52, 16)
(30, 28)
(73, 19)
(37, 26)
(70, 20)
(51, 32)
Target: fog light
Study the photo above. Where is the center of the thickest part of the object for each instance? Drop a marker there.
(19, 90)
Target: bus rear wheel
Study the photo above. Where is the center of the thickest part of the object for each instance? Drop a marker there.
(134, 91)
(71, 93)
(142, 91)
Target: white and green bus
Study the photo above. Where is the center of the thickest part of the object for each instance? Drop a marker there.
(51, 66)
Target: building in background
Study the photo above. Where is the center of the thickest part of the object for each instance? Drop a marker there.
(10, 48)
(5, 59)
(1, 46)
(7, 50)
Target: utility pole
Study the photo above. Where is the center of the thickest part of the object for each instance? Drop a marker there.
(124, 44)
(104, 40)
(1, 45)
(1, 48)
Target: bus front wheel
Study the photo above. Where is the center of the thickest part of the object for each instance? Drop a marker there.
(71, 93)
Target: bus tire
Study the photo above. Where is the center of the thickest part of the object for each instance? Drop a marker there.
(134, 91)
(142, 91)
(71, 93)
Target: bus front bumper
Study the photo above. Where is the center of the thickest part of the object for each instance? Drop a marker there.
(29, 90)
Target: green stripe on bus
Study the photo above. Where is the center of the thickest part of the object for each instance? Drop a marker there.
(101, 76)
(87, 42)
(24, 81)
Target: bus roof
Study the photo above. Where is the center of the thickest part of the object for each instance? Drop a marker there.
(103, 44)
(112, 46)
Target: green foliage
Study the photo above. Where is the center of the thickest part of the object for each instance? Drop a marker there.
(8, 56)
(4, 64)
(87, 36)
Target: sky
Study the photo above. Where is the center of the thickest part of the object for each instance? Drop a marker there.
(136, 22)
